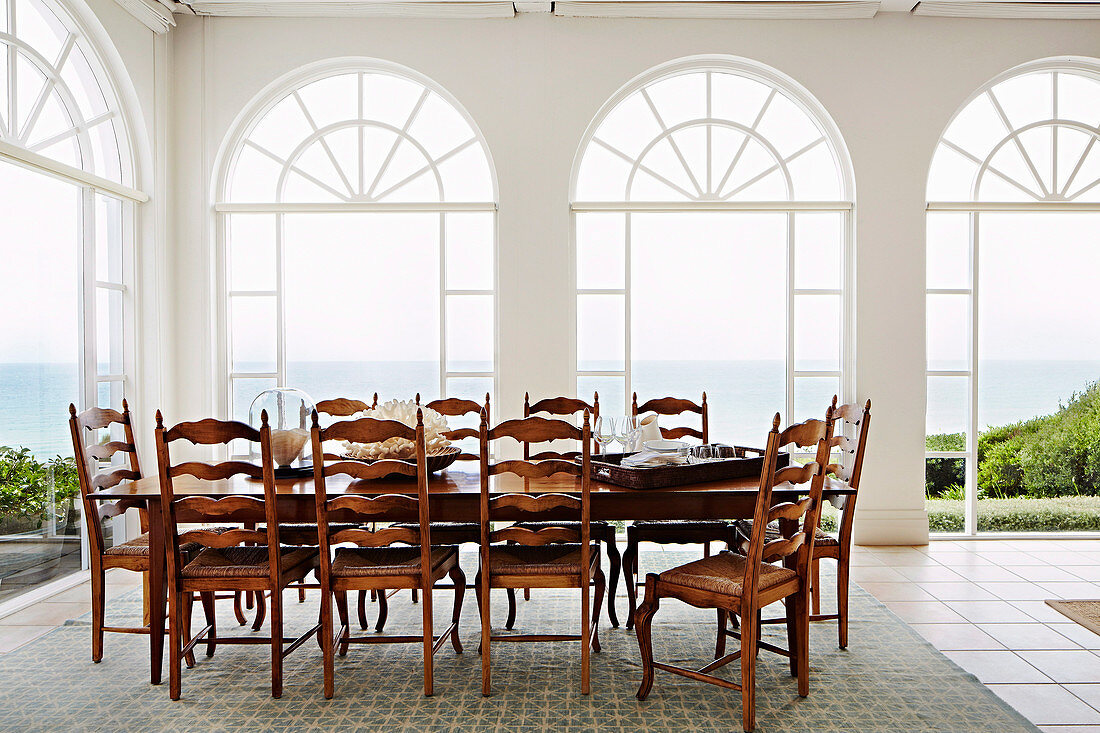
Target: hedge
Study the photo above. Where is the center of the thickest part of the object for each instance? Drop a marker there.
(1056, 514)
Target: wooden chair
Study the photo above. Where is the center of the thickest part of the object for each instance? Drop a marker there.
(373, 564)
(851, 442)
(443, 533)
(132, 555)
(742, 585)
(552, 557)
(601, 531)
(222, 564)
(676, 531)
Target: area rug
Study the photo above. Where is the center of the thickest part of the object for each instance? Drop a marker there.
(889, 680)
(1086, 613)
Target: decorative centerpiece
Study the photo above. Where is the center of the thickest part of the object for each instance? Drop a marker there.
(288, 415)
(439, 449)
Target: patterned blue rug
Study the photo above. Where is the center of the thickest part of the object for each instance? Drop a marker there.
(889, 679)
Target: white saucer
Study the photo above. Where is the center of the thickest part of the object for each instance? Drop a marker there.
(664, 446)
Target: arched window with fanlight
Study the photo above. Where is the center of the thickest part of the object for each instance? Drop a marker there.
(68, 195)
(357, 219)
(712, 201)
(1013, 247)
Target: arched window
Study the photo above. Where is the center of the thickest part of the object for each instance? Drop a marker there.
(712, 200)
(357, 212)
(67, 186)
(1013, 216)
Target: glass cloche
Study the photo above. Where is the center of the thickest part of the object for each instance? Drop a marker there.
(288, 415)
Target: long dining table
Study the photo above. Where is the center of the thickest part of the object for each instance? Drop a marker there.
(454, 496)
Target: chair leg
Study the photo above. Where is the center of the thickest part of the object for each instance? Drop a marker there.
(363, 623)
(238, 607)
(482, 583)
(842, 601)
(630, 577)
(706, 549)
(207, 599)
(720, 639)
(277, 643)
(99, 602)
(459, 580)
(248, 602)
(415, 594)
(189, 657)
(327, 652)
(175, 645)
(429, 638)
(815, 585)
(644, 617)
(342, 612)
(586, 637)
(526, 594)
(791, 610)
(601, 585)
(261, 610)
(802, 635)
(615, 561)
(302, 590)
(383, 611)
(749, 627)
(511, 608)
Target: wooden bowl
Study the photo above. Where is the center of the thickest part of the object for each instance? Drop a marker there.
(437, 460)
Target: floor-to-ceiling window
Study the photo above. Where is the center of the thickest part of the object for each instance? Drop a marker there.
(1013, 357)
(712, 201)
(357, 220)
(66, 221)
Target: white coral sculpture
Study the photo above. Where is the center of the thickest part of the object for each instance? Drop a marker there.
(403, 411)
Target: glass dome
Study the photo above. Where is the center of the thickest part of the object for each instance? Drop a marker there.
(288, 415)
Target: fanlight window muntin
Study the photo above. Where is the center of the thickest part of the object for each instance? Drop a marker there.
(679, 138)
(312, 151)
(62, 107)
(1031, 137)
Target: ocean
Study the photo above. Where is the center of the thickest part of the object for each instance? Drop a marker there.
(743, 395)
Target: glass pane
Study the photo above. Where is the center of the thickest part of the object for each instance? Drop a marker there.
(944, 479)
(109, 333)
(948, 329)
(109, 395)
(253, 332)
(812, 397)
(817, 335)
(108, 239)
(470, 251)
(948, 250)
(471, 388)
(601, 251)
(601, 332)
(244, 391)
(251, 251)
(362, 304)
(711, 315)
(817, 250)
(470, 333)
(948, 398)
(612, 391)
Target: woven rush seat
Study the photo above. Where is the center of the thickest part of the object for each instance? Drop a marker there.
(744, 531)
(361, 562)
(724, 573)
(304, 531)
(139, 546)
(562, 559)
(597, 527)
(245, 562)
(449, 526)
(707, 524)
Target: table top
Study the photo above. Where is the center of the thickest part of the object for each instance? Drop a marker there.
(453, 481)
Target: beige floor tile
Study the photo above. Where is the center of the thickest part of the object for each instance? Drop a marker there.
(864, 559)
(1017, 591)
(1079, 589)
(969, 559)
(924, 612)
(991, 667)
(1006, 558)
(897, 591)
(907, 559)
(1028, 636)
(1085, 572)
(877, 575)
(930, 574)
(1090, 693)
(13, 637)
(1063, 558)
(1066, 666)
(1069, 728)
(958, 591)
(957, 637)
(77, 594)
(1040, 611)
(987, 573)
(989, 612)
(1078, 633)
(45, 614)
(1079, 545)
(1042, 573)
(1048, 704)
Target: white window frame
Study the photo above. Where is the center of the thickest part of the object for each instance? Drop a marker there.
(976, 207)
(845, 206)
(249, 117)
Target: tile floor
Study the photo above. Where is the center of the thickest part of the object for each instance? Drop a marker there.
(978, 601)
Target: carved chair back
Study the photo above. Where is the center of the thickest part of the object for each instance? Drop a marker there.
(97, 469)
(851, 424)
(670, 406)
(558, 407)
(458, 407)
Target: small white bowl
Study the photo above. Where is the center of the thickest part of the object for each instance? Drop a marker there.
(664, 446)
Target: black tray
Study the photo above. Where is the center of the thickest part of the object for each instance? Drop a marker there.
(738, 462)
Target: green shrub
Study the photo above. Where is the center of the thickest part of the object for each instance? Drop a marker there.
(25, 482)
(944, 477)
(1021, 514)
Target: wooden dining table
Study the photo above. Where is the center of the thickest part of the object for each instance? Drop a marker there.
(454, 496)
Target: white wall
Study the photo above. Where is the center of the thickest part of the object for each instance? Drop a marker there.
(533, 84)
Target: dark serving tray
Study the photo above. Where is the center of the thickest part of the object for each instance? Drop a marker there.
(740, 463)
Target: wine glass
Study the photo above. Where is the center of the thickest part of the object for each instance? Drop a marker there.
(604, 431)
(625, 430)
